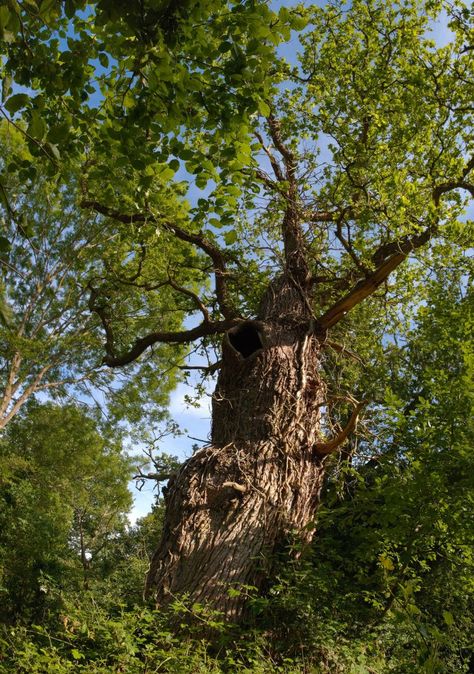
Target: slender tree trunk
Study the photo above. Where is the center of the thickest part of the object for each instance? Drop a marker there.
(84, 560)
(236, 501)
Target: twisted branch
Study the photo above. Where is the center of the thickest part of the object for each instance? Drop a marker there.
(325, 448)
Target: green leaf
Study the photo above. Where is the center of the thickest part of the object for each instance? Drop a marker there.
(37, 126)
(57, 134)
(230, 237)
(16, 102)
(264, 108)
(232, 592)
(174, 165)
(103, 60)
(201, 182)
(6, 312)
(53, 151)
(298, 22)
(4, 17)
(448, 618)
(5, 244)
(69, 8)
(386, 562)
(225, 46)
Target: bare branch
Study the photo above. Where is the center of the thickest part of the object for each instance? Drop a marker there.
(207, 369)
(274, 164)
(340, 348)
(325, 448)
(265, 178)
(322, 216)
(158, 477)
(25, 395)
(347, 245)
(293, 239)
(181, 337)
(450, 186)
(288, 156)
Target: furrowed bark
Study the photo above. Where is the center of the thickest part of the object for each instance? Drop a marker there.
(257, 485)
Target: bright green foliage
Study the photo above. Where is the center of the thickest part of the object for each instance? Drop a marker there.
(378, 116)
(157, 114)
(131, 67)
(63, 494)
(53, 257)
(389, 581)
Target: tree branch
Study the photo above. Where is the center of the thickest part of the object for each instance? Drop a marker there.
(293, 239)
(325, 448)
(214, 252)
(158, 477)
(361, 290)
(274, 164)
(390, 255)
(189, 293)
(181, 337)
(347, 245)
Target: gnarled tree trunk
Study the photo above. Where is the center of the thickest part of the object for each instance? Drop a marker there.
(236, 501)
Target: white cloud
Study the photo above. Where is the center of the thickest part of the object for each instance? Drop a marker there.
(181, 410)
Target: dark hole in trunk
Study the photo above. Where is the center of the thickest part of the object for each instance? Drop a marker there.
(245, 339)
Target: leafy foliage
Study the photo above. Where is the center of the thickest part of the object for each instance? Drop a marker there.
(149, 152)
(64, 498)
(53, 259)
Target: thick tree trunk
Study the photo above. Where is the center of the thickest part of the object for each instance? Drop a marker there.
(235, 502)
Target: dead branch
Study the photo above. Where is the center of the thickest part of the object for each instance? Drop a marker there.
(158, 477)
(234, 485)
(207, 369)
(330, 446)
(340, 348)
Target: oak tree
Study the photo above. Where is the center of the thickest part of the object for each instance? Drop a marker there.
(308, 193)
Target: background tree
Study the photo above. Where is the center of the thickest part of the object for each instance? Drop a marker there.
(53, 259)
(64, 494)
(390, 571)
